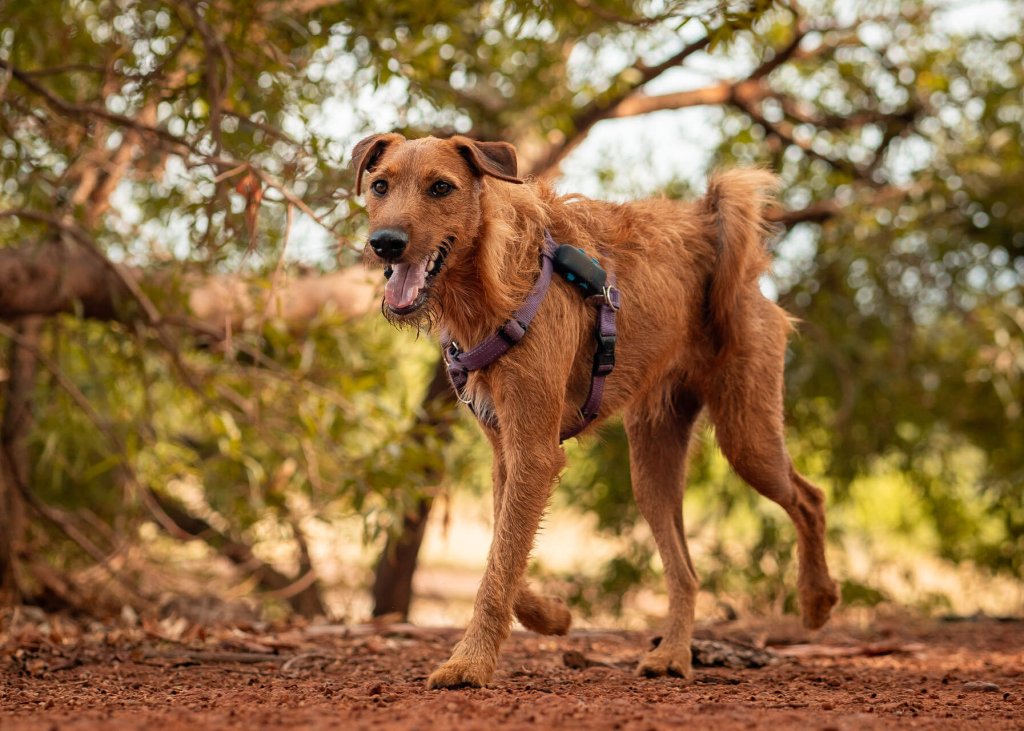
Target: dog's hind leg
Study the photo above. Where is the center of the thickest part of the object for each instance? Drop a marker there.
(747, 414)
(545, 615)
(658, 441)
(532, 461)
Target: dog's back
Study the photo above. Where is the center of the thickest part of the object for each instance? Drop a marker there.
(689, 274)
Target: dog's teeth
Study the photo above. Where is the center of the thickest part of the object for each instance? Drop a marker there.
(431, 261)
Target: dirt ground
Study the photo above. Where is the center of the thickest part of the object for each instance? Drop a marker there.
(130, 674)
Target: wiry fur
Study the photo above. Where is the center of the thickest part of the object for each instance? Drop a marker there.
(695, 332)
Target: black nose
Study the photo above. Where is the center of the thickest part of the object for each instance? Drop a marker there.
(389, 243)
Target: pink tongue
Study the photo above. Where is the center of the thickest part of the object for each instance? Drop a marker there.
(405, 284)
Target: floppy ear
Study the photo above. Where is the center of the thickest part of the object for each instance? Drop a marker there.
(367, 151)
(497, 159)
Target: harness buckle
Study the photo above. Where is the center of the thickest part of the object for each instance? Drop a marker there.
(604, 356)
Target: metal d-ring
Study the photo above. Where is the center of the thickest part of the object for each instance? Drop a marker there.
(458, 395)
(607, 292)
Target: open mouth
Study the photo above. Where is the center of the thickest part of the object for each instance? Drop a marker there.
(409, 282)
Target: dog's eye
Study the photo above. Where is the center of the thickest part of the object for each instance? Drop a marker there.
(380, 187)
(441, 188)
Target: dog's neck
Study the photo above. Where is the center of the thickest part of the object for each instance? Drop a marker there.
(493, 276)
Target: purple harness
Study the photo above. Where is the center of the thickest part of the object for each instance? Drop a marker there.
(460, 363)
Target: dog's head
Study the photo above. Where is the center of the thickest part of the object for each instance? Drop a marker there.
(423, 198)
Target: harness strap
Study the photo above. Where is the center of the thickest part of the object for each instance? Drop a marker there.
(511, 332)
(604, 356)
(459, 363)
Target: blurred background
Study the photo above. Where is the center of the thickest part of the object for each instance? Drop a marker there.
(204, 413)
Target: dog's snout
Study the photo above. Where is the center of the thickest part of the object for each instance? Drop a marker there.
(389, 243)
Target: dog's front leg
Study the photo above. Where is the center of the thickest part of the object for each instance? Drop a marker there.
(546, 615)
(532, 459)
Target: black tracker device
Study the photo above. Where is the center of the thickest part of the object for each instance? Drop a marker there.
(577, 268)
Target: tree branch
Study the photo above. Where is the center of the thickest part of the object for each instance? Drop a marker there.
(15, 462)
(784, 132)
(824, 210)
(178, 145)
(306, 601)
(805, 114)
(601, 107)
(709, 95)
(817, 212)
(631, 101)
(69, 109)
(13, 468)
(745, 94)
(52, 278)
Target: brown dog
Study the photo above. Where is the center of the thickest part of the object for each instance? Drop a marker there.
(462, 239)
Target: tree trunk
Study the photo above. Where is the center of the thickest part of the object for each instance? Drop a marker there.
(392, 586)
(14, 459)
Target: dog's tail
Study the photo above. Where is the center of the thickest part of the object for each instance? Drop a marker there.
(736, 201)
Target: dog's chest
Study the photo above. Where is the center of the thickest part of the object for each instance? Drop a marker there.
(477, 394)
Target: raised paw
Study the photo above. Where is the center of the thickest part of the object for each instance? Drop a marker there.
(664, 660)
(816, 603)
(543, 614)
(460, 673)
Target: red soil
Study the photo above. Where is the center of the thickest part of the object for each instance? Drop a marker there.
(55, 674)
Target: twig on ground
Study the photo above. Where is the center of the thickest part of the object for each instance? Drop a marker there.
(289, 668)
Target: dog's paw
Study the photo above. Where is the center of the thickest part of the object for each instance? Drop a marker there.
(460, 673)
(545, 615)
(664, 660)
(816, 603)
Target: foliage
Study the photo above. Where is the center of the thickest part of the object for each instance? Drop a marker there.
(924, 283)
(910, 303)
(210, 137)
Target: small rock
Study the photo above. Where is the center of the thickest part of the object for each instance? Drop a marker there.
(575, 659)
(979, 686)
